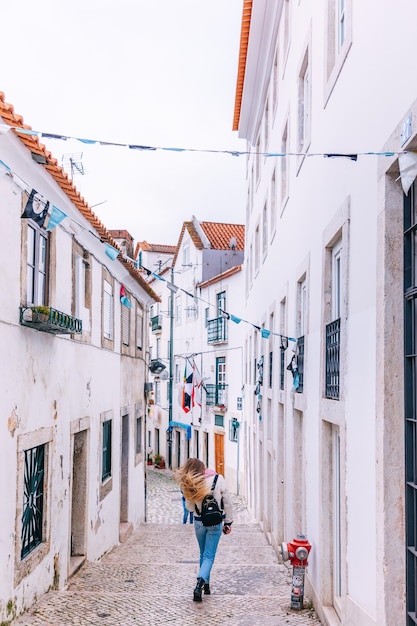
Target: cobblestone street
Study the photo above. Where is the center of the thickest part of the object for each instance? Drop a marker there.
(149, 579)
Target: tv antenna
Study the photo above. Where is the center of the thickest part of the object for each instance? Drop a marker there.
(73, 163)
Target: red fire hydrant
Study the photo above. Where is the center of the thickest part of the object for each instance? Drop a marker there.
(297, 552)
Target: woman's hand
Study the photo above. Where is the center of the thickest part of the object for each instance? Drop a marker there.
(227, 528)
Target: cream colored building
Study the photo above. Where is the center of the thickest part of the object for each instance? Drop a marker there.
(73, 331)
(326, 100)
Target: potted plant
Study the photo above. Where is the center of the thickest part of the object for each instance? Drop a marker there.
(41, 313)
(159, 461)
(149, 459)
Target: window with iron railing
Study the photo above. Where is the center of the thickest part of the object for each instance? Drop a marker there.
(33, 499)
(300, 364)
(333, 360)
(217, 330)
(156, 323)
(216, 395)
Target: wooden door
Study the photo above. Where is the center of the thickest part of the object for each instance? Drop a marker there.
(219, 453)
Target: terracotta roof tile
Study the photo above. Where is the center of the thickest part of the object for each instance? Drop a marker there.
(220, 234)
(32, 143)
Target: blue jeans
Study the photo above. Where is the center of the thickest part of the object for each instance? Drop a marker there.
(208, 538)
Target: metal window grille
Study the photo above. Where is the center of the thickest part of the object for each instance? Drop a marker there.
(217, 330)
(125, 325)
(282, 369)
(333, 360)
(216, 395)
(106, 451)
(300, 364)
(33, 499)
(410, 401)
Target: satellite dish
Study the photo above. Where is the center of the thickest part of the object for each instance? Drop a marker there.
(164, 375)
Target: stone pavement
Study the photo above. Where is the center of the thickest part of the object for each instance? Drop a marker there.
(149, 579)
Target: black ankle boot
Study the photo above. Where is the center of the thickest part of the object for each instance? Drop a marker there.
(207, 589)
(198, 590)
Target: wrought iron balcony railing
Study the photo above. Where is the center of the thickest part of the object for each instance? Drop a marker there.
(216, 395)
(217, 330)
(49, 320)
(156, 323)
(333, 360)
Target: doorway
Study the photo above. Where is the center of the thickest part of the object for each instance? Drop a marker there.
(78, 501)
(219, 453)
(124, 471)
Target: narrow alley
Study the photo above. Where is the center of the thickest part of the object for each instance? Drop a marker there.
(148, 580)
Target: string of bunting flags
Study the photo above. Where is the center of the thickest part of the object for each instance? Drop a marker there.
(407, 158)
(46, 135)
(265, 333)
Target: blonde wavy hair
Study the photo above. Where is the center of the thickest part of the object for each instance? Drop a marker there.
(191, 480)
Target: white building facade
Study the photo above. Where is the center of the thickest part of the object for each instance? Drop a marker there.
(73, 330)
(326, 105)
(205, 281)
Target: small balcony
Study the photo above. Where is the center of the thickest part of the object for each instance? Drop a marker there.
(49, 320)
(217, 330)
(156, 323)
(216, 396)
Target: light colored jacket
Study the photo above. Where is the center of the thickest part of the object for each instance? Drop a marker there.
(221, 494)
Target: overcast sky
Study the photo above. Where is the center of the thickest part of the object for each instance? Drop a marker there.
(159, 73)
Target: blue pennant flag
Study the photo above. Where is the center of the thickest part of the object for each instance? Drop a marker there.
(111, 252)
(56, 217)
(234, 319)
(126, 302)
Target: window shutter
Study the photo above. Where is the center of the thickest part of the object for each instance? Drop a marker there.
(107, 310)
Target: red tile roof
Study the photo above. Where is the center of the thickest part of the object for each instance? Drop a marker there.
(220, 234)
(243, 51)
(32, 144)
(155, 247)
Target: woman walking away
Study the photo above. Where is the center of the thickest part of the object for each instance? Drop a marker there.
(196, 482)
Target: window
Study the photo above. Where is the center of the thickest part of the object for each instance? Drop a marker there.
(334, 327)
(139, 435)
(186, 253)
(304, 104)
(284, 168)
(219, 420)
(106, 450)
(33, 499)
(257, 249)
(139, 328)
(275, 71)
(107, 310)
(158, 393)
(207, 315)
(284, 342)
(177, 373)
(266, 125)
(273, 203)
(341, 24)
(36, 265)
(158, 347)
(265, 229)
(258, 159)
(221, 380)
(82, 287)
(339, 39)
(178, 309)
(125, 325)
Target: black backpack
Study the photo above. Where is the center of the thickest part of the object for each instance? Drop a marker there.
(211, 514)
